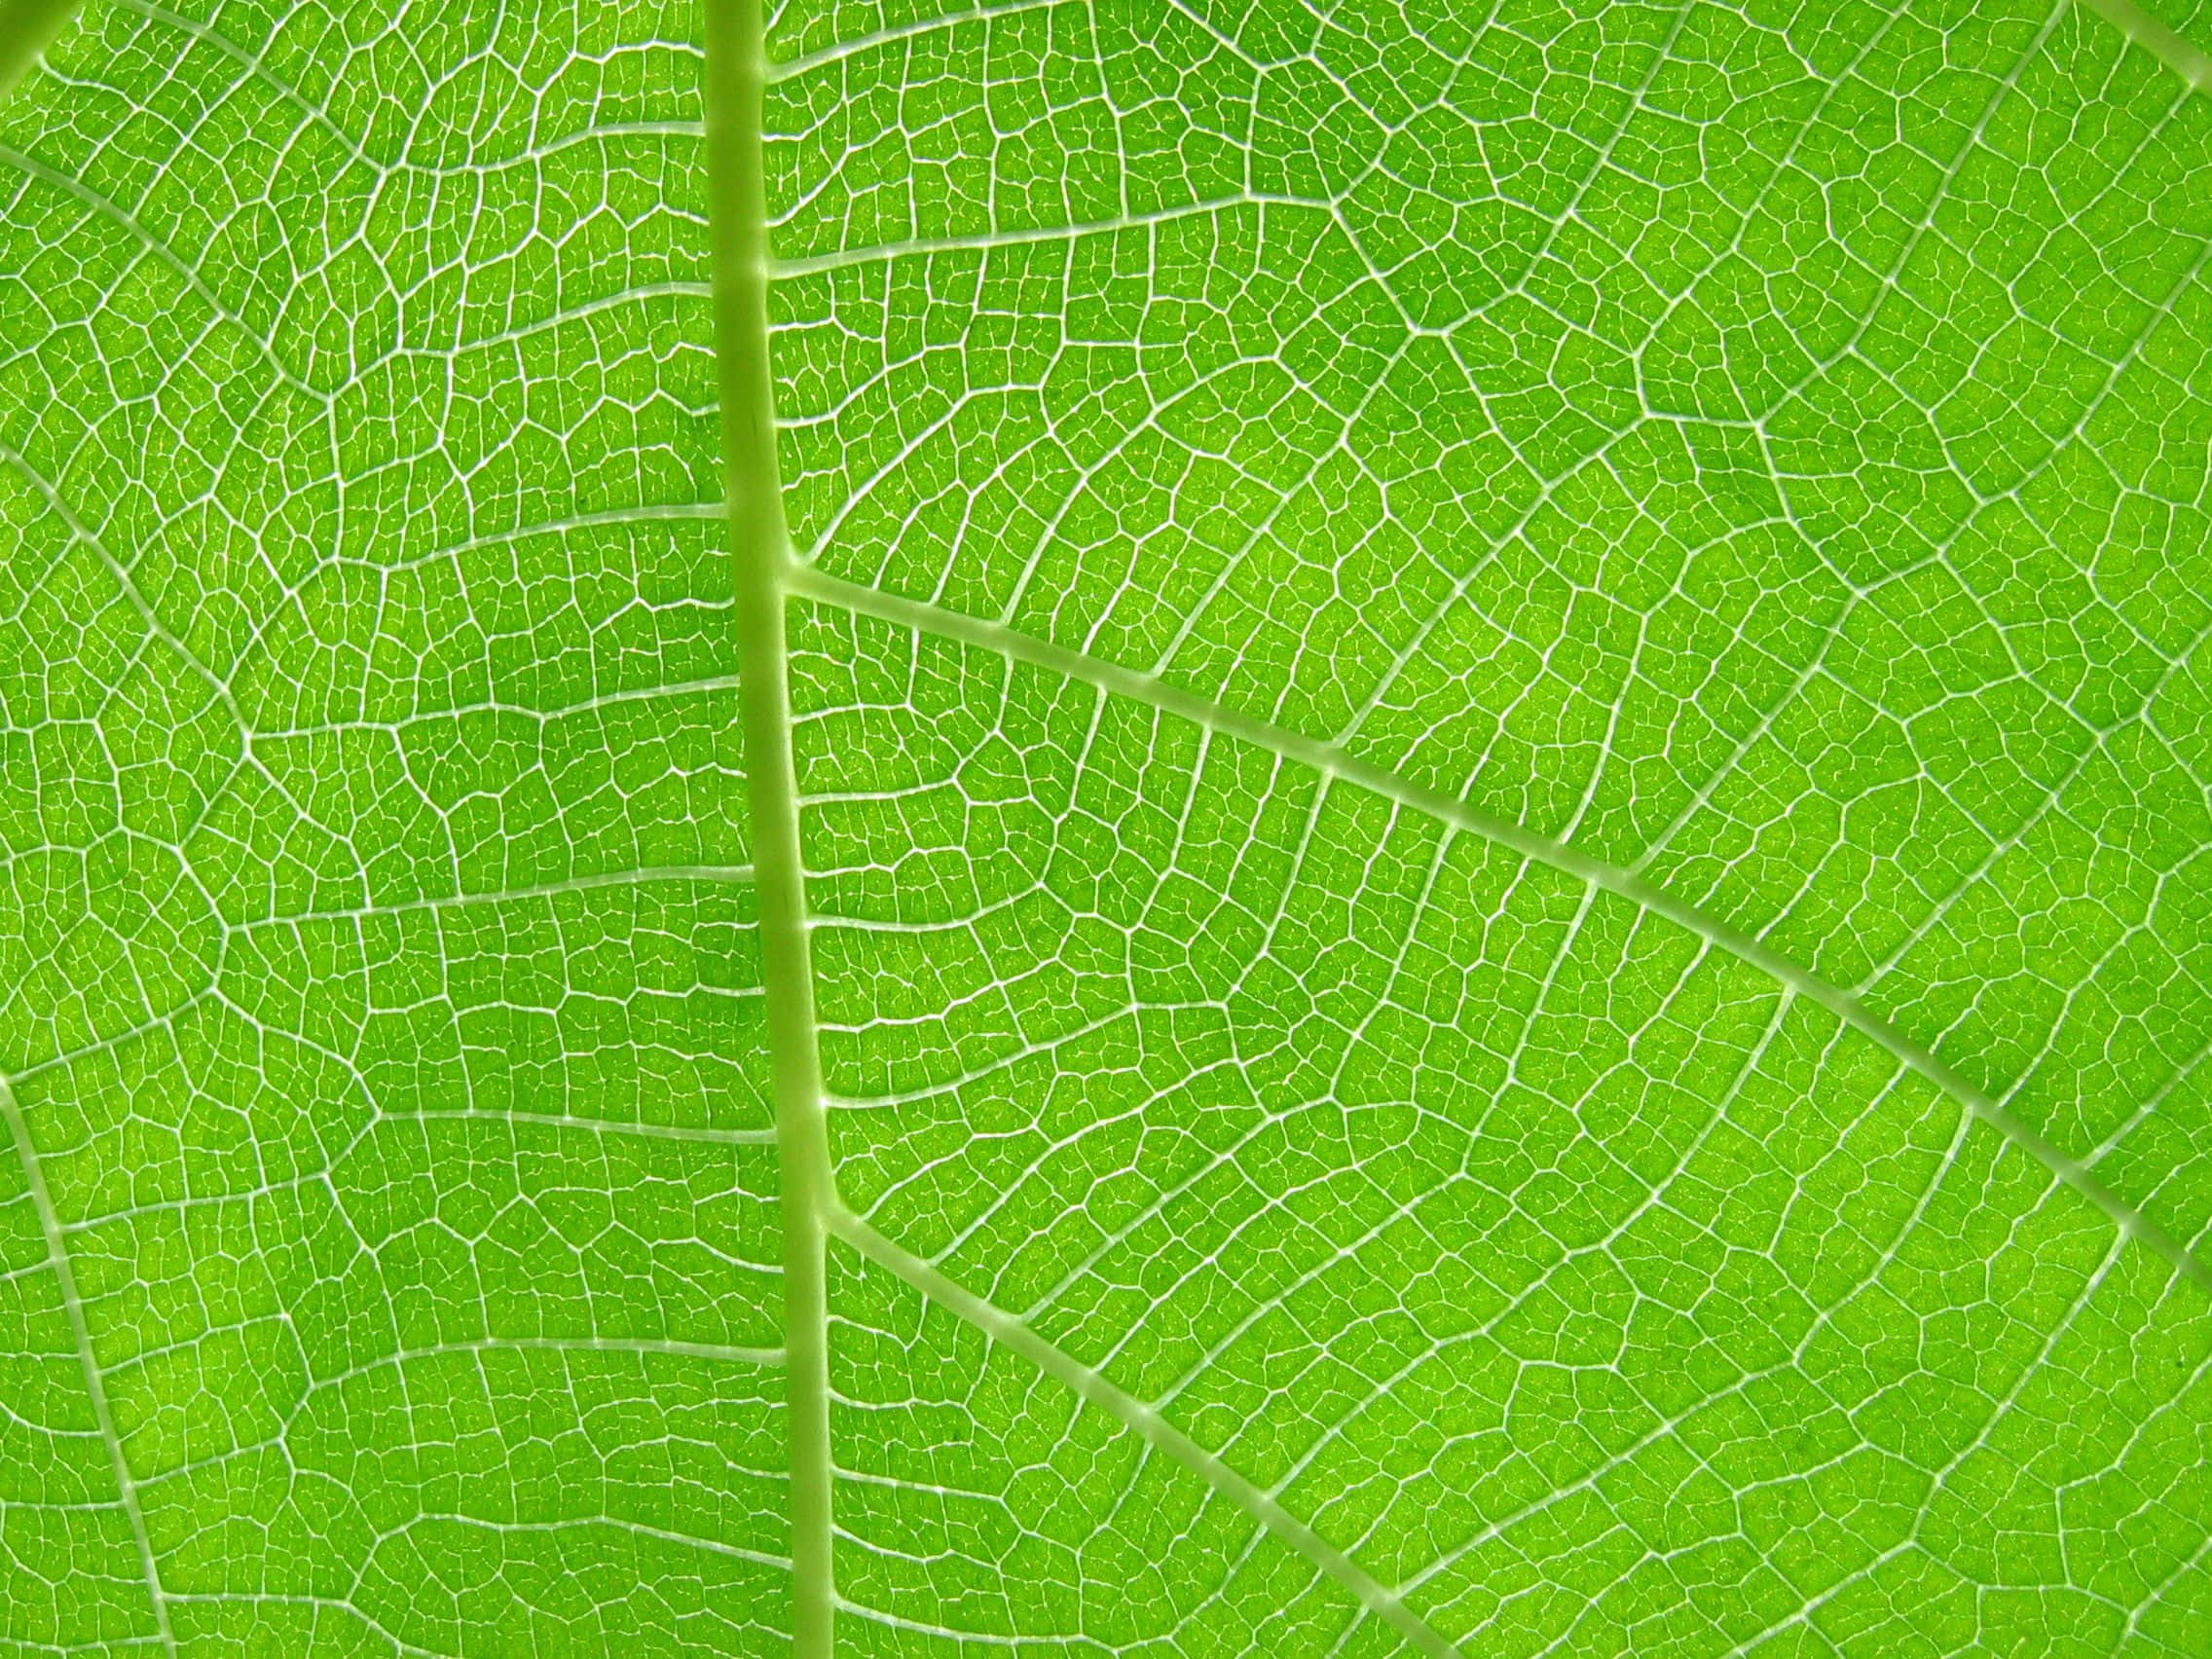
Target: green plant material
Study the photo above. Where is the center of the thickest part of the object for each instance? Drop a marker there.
(1366, 829)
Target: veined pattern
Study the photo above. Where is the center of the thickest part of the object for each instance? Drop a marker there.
(1106, 827)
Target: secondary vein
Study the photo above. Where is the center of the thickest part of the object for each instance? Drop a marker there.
(73, 1307)
(1145, 1421)
(1334, 761)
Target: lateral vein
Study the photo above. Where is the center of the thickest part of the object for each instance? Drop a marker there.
(65, 1280)
(1147, 1423)
(1334, 761)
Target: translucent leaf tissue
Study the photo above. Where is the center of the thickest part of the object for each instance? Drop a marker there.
(1105, 829)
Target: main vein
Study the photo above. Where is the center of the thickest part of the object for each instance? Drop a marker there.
(27, 27)
(2180, 56)
(766, 576)
(735, 76)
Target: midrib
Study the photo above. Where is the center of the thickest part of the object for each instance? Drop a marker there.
(25, 27)
(735, 78)
(767, 577)
(2180, 56)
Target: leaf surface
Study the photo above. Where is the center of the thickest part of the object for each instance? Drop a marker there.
(1360, 831)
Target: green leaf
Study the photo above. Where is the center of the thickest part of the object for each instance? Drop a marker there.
(1106, 829)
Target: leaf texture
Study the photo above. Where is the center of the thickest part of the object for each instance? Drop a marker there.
(1442, 882)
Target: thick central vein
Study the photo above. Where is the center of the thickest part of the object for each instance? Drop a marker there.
(2180, 56)
(766, 576)
(25, 27)
(734, 82)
